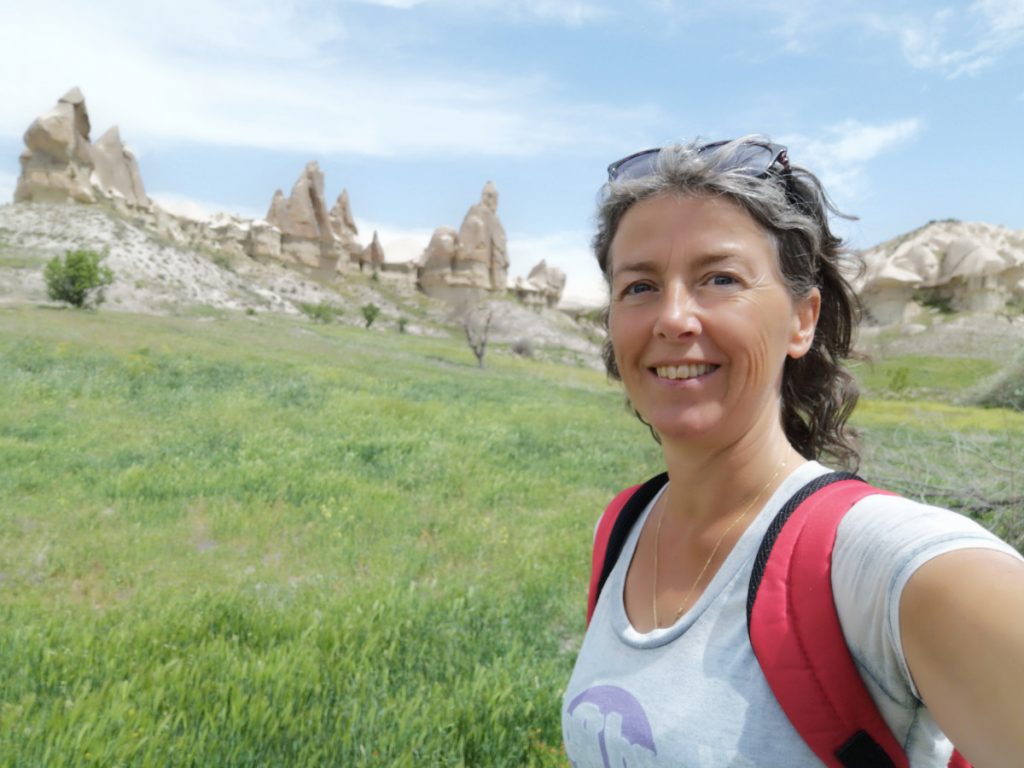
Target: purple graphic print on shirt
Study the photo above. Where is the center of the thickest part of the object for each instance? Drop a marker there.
(613, 721)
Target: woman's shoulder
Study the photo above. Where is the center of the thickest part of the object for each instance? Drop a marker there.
(880, 543)
(885, 522)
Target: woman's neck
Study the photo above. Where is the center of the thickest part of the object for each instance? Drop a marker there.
(709, 481)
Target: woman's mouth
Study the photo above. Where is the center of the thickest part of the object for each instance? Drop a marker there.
(683, 372)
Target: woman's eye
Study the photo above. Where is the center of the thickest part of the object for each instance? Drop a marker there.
(636, 288)
(723, 280)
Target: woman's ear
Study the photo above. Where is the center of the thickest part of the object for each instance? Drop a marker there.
(805, 320)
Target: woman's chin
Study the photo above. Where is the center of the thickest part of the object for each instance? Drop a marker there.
(683, 430)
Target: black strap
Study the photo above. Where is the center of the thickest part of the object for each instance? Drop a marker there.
(628, 515)
(775, 528)
(861, 751)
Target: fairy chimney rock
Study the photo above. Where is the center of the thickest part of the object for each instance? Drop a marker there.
(303, 214)
(57, 163)
(117, 169)
(550, 281)
(967, 265)
(483, 248)
(473, 260)
(373, 254)
(306, 234)
(278, 210)
(342, 223)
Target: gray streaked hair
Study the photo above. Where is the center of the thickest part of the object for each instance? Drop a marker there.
(818, 393)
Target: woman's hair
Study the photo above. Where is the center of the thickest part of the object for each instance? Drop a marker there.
(818, 394)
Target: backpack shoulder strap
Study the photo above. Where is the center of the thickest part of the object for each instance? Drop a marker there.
(795, 631)
(612, 530)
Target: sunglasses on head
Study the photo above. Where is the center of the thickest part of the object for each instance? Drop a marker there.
(752, 158)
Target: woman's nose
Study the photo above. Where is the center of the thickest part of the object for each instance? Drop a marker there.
(678, 314)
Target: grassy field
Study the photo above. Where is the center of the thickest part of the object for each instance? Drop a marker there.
(249, 541)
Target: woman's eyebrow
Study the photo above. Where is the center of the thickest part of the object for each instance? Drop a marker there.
(645, 266)
(641, 265)
(714, 259)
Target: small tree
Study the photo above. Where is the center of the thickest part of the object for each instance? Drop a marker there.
(77, 279)
(370, 312)
(477, 325)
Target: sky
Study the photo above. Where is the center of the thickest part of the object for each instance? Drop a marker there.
(908, 111)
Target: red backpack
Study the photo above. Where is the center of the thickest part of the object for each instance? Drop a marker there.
(791, 619)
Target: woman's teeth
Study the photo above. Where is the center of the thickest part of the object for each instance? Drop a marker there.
(684, 371)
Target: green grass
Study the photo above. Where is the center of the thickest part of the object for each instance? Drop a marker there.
(247, 541)
(922, 377)
(237, 542)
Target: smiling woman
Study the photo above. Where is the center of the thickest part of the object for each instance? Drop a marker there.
(729, 320)
(701, 320)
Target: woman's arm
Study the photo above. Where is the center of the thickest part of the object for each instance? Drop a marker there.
(962, 629)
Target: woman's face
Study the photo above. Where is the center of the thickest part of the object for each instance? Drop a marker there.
(700, 320)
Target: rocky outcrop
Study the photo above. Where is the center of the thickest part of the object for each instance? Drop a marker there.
(117, 170)
(57, 163)
(543, 287)
(372, 255)
(61, 164)
(306, 234)
(964, 265)
(343, 225)
(264, 243)
(472, 261)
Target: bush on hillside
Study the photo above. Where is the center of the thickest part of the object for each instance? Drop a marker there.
(1003, 390)
(370, 312)
(78, 278)
(320, 313)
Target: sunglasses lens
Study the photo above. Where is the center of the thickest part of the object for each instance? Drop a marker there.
(634, 167)
(750, 159)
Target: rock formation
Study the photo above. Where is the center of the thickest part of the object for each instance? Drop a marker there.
(306, 234)
(117, 169)
(472, 261)
(57, 163)
(543, 287)
(343, 225)
(60, 164)
(967, 266)
(372, 255)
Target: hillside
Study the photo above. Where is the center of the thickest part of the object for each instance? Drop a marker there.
(155, 275)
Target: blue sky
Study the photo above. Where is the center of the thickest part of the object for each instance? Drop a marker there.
(910, 111)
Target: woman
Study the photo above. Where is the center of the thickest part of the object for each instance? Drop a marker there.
(728, 320)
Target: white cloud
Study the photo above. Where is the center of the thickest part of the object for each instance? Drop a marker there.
(402, 4)
(571, 13)
(8, 181)
(839, 156)
(199, 210)
(958, 43)
(399, 244)
(280, 76)
(568, 12)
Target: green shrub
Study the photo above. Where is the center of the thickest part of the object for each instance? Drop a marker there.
(370, 313)
(77, 279)
(402, 323)
(899, 379)
(320, 313)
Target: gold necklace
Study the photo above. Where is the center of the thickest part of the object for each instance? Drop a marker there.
(714, 550)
